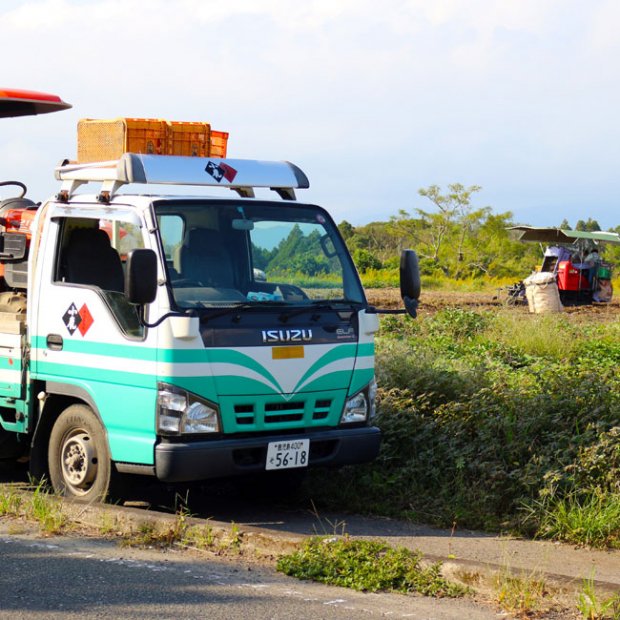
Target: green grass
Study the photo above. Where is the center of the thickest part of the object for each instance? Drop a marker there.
(593, 520)
(42, 506)
(493, 420)
(367, 566)
(592, 606)
(524, 596)
(10, 503)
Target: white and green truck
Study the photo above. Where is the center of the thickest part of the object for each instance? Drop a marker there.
(184, 337)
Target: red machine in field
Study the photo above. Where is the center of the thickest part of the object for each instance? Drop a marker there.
(573, 257)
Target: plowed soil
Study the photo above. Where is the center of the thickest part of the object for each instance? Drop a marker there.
(432, 301)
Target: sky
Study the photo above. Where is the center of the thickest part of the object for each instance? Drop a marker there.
(373, 100)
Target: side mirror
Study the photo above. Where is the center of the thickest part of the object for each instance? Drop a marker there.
(410, 281)
(141, 277)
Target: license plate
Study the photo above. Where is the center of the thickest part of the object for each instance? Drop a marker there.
(288, 454)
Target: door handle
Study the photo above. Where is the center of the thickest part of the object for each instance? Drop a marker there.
(54, 342)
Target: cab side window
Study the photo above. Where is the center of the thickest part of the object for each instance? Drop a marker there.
(90, 259)
(89, 255)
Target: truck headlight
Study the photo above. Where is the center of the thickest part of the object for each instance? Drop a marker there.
(362, 406)
(355, 409)
(180, 412)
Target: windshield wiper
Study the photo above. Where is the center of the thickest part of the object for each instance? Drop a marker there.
(315, 306)
(204, 317)
(206, 314)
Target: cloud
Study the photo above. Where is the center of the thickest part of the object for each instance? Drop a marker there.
(516, 96)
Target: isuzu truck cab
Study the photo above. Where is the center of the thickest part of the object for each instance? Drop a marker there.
(179, 336)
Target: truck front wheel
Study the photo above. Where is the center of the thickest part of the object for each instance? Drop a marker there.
(78, 457)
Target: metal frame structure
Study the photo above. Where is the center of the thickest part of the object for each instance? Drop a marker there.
(240, 175)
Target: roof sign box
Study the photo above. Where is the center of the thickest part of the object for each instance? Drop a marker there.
(241, 175)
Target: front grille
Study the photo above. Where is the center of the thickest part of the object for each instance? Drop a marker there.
(321, 409)
(244, 415)
(248, 414)
(276, 413)
(295, 406)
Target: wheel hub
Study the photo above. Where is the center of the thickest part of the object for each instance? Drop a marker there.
(79, 461)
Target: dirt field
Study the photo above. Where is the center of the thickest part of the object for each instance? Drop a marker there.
(432, 301)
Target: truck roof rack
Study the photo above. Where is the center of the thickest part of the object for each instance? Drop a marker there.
(240, 175)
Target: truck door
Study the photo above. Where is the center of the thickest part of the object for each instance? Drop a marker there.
(89, 342)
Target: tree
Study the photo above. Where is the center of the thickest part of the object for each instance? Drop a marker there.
(378, 238)
(589, 226)
(346, 230)
(565, 225)
(365, 260)
(454, 220)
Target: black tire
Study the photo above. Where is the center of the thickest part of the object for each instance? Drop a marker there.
(78, 456)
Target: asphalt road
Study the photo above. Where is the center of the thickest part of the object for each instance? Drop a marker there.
(86, 578)
(479, 551)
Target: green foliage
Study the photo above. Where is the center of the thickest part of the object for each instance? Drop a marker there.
(346, 230)
(593, 607)
(10, 503)
(367, 566)
(454, 240)
(593, 520)
(47, 510)
(494, 420)
(521, 595)
(299, 252)
(589, 226)
(42, 507)
(365, 260)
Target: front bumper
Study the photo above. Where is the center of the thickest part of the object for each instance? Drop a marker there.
(220, 458)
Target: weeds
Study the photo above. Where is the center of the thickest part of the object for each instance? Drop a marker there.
(484, 413)
(47, 510)
(335, 528)
(200, 537)
(180, 532)
(42, 507)
(593, 520)
(520, 595)
(149, 535)
(591, 607)
(367, 566)
(10, 503)
(108, 524)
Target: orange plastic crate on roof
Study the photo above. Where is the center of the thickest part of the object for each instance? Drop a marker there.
(105, 140)
(190, 139)
(219, 143)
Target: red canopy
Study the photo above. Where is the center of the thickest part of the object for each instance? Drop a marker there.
(15, 102)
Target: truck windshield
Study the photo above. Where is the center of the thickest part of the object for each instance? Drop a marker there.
(221, 254)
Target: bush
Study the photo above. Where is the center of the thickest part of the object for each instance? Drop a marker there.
(367, 566)
(487, 426)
